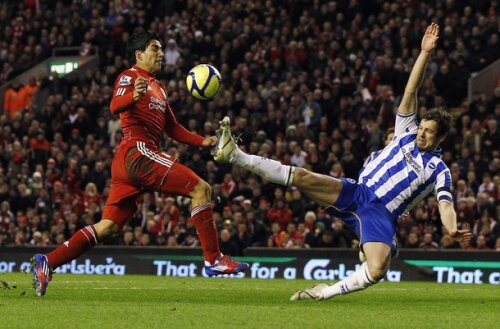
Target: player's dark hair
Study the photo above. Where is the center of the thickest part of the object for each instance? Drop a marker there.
(442, 118)
(139, 41)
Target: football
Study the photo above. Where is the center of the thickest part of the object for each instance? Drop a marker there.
(203, 81)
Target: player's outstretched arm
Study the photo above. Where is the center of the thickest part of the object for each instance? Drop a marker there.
(429, 41)
(177, 132)
(449, 219)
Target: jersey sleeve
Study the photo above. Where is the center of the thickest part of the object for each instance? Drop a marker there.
(123, 92)
(405, 124)
(443, 186)
(178, 132)
(371, 157)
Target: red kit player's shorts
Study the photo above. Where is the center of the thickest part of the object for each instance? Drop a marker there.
(137, 168)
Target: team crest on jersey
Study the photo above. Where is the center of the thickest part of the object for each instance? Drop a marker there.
(125, 80)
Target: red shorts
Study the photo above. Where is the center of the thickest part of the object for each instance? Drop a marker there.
(137, 168)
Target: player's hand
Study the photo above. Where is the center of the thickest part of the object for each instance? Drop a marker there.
(461, 235)
(140, 88)
(209, 141)
(429, 41)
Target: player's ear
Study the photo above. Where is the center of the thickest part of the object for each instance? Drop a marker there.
(138, 55)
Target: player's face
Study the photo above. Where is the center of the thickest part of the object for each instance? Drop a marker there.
(427, 138)
(151, 58)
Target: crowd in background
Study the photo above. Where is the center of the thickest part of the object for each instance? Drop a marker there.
(314, 84)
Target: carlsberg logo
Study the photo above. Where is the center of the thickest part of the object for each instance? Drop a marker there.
(316, 269)
(110, 268)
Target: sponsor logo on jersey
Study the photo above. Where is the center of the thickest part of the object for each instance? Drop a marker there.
(157, 104)
(409, 159)
(125, 80)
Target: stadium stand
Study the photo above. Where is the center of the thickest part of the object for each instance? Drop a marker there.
(312, 84)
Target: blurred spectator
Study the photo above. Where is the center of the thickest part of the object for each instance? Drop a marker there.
(428, 243)
(327, 240)
(160, 239)
(481, 243)
(279, 214)
(256, 229)
(6, 216)
(128, 238)
(242, 238)
(172, 53)
(412, 241)
(145, 239)
(14, 99)
(341, 236)
(172, 241)
(297, 204)
(227, 245)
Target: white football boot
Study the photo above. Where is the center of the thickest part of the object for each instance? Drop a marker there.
(226, 146)
(313, 293)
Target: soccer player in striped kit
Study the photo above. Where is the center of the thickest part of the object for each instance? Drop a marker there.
(139, 165)
(391, 183)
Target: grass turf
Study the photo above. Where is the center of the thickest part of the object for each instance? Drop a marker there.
(133, 301)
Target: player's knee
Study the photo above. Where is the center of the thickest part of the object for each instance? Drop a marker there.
(201, 191)
(377, 270)
(105, 228)
(301, 177)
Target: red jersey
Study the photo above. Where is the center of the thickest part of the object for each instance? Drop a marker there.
(147, 119)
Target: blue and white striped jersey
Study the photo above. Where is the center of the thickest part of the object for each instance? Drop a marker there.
(401, 176)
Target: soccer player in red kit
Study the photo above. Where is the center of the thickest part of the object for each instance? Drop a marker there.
(139, 165)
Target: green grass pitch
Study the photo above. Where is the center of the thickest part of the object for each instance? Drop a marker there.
(92, 301)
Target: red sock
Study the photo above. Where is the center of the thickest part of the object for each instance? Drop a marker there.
(79, 243)
(203, 221)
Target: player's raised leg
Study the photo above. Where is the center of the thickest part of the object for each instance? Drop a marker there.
(226, 151)
(322, 189)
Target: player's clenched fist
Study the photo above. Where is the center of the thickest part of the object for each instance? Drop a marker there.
(140, 88)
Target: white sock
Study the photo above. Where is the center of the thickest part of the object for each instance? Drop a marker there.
(358, 280)
(207, 263)
(271, 170)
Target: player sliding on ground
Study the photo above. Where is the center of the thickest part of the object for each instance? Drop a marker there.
(397, 178)
(139, 165)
